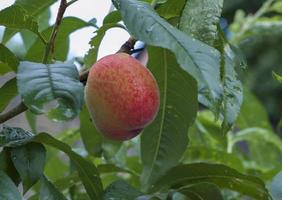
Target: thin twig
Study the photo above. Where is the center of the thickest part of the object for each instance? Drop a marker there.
(128, 46)
(50, 44)
(13, 112)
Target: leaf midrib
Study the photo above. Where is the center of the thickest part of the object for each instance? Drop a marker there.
(163, 114)
(230, 178)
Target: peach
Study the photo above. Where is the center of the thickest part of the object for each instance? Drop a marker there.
(122, 96)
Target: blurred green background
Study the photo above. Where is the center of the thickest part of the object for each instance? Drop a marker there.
(263, 54)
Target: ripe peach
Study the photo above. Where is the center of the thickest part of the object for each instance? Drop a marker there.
(122, 96)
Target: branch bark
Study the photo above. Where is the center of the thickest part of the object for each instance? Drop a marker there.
(50, 44)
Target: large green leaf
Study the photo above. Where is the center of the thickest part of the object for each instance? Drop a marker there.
(29, 160)
(233, 91)
(8, 190)
(15, 17)
(88, 173)
(264, 147)
(90, 136)
(67, 181)
(171, 9)
(49, 192)
(55, 167)
(252, 114)
(8, 61)
(12, 137)
(195, 57)
(203, 154)
(34, 8)
(112, 18)
(43, 23)
(110, 168)
(202, 191)
(68, 25)
(165, 140)
(200, 19)
(86, 170)
(222, 176)
(207, 131)
(7, 92)
(7, 166)
(120, 190)
(32, 121)
(39, 84)
(249, 134)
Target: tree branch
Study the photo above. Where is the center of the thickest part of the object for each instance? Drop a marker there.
(50, 44)
(128, 46)
(13, 112)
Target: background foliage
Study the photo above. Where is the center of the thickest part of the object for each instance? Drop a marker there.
(217, 133)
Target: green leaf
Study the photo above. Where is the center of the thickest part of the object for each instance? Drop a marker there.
(15, 17)
(111, 148)
(34, 8)
(7, 166)
(55, 167)
(91, 56)
(8, 61)
(165, 140)
(49, 192)
(207, 131)
(12, 137)
(195, 57)
(171, 9)
(68, 25)
(39, 84)
(7, 92)
(199, 19)
(8, 190)
(252, 114)
(111, 168)
(86, 170)
(275, 187)
(203, 154)
(276, 76)
(120, 190)
(222, 176)
(265, 147)
(91, 138)
(67, 181)
(233, 91)
(29, 161)
(31, 119)
(112, 18)
(200, 191)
